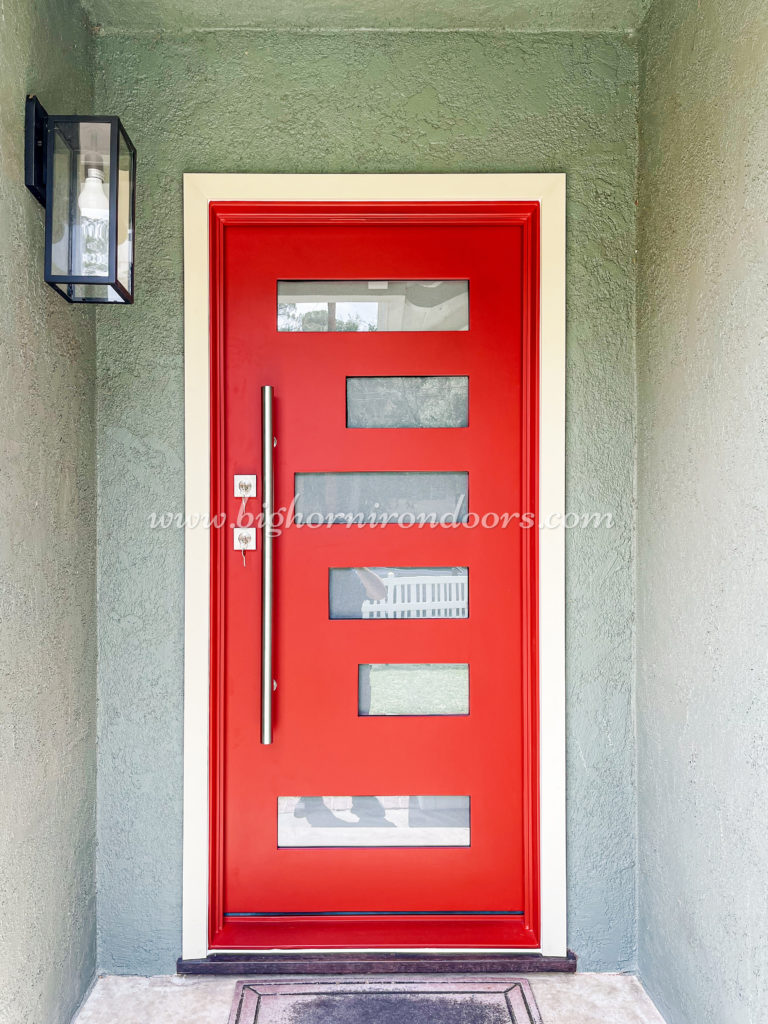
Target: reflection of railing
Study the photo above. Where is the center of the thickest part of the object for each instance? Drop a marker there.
(420, 597)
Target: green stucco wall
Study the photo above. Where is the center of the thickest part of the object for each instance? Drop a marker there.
(361, 102)
(47, 553)
(407, 15)
(702, 701)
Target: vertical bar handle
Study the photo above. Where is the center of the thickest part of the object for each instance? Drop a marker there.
(267, 567)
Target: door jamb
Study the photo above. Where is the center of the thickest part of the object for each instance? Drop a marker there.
(549, 191)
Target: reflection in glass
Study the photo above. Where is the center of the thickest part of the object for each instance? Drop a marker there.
(407, 401)
(373, 821)
(384, 592)
(413, 689)
(404, 498)
(372, 306)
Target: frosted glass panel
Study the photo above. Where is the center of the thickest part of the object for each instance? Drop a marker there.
(373, 821)
(399, 593)
(407, 401)
(413, 689)
(366, 306)
(404, 498)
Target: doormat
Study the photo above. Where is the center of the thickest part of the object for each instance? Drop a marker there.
(455, 1000)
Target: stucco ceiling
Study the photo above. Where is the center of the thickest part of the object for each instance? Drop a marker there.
(520, 15)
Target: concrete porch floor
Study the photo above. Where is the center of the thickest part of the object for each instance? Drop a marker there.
(562, 999)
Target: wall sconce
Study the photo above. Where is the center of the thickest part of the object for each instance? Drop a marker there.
(83, 171)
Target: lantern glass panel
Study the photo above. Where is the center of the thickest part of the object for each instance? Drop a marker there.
(93, 293)
(60, 198)
(125, 213)
(93, 185)
(80, 242)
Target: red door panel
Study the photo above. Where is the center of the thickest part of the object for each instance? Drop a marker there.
(483, 894)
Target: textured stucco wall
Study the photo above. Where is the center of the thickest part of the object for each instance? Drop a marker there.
(702, 703)
(47, 556)
(348, 102)
(513, 15)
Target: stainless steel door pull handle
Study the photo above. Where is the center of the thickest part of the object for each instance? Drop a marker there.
(267, 609)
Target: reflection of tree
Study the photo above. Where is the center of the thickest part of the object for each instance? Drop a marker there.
(290, 319)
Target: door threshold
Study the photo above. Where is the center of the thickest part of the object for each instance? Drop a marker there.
(341, 962)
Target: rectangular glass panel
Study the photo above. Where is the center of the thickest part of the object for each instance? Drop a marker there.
(62, 194)
(413, 689)
(372, 306)
(94, 177)
(399, 593)
(124, 215)
(404, 498)
(80, 196)
(372, 821)
(95, 293)
(407, 401)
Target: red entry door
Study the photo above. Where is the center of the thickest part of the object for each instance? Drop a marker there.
(396, 805)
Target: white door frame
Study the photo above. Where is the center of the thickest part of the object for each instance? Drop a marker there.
(549, 191)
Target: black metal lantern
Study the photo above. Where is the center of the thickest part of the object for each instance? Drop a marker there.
(83, 171)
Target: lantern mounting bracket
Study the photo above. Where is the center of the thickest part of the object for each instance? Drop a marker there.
(35, 137)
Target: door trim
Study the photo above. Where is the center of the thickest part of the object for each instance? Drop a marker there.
(549, 191)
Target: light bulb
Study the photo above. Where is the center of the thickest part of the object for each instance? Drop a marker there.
(94, 220)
